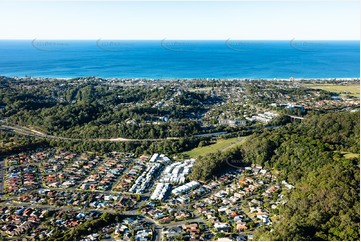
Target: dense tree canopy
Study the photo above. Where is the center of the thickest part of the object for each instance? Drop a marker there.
(310, 155)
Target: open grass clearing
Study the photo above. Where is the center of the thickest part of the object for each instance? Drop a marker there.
(220, 145)
(354, 89)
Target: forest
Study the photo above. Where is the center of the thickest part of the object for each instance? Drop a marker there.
(92, 110)
(318, 156)
(11, 143)
(326, 202)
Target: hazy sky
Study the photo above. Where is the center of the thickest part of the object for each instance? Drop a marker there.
(180, 20)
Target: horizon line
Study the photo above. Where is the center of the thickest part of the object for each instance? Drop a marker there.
(186, 78)
(165, 39)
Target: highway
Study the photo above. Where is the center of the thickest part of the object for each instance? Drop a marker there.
(4, 125)
(31, 132)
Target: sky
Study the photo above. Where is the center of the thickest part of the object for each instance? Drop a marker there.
(249, 20)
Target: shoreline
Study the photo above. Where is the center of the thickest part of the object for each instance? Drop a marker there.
(192, 78)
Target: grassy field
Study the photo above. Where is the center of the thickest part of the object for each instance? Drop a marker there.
(349, 155)
(353, 89)
(222, 144)
(201, 89)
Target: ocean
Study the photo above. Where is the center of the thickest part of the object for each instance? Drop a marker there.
(180, 59)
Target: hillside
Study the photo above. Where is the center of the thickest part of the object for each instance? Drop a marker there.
(314, 156)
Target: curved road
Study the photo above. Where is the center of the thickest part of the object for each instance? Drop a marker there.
(157, 227)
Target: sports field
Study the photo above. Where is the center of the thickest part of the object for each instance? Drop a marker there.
(353, 89)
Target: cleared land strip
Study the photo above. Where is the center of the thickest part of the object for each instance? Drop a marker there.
(32, 132)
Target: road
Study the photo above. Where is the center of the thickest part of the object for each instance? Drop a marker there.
(2, 167)
(108, 192)
(32, 132)
(10, 202)
(157, 227)
(180, 223)
(4, 125)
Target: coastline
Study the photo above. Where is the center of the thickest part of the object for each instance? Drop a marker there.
(190, 79)
(178, 60)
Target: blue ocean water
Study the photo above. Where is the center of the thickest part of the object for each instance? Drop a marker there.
(180, 59)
